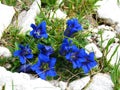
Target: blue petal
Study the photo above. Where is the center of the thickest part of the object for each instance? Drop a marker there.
(44, 35)
(36, 66)
(21, 46)
(40, 46)
(31, 33)
(82, 53)
(43, 58)
(51, 73)
(68, 56)
(79, 64)
(85, 68)
(17, 53)
(33, 26)
(43, 25)
(22, 59)
(91, 56)
(74, 48)
(46, 50)
(92, 64)
(29, 56)
(74, 64)
(41, 74)
(82, 60)
(52, 62)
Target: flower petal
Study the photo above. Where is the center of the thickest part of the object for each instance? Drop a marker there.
(29, 56)
(36, 66)
(74, 64)
(52, 62)
(85, 68)
(41, 74)
(22, 59)
(51, 73)
(43, 58)
(17, 53)
(33, 26)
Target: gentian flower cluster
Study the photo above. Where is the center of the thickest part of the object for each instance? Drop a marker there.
(45, 64)
(78, 57)
(45, 59)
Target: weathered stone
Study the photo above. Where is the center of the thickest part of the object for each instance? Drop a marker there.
(22, 81)
(58, 14)
(63, 85)
(25, 19)
(4, 52)
(101, 82)
(79, 84)
(93, 48)
(109, 10)
(6, 15)
(117, 28)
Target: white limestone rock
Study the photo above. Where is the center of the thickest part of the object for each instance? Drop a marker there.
(93, 48)
(106, 35)
(63, 85)
(105, 27)
(116, 56)
(58, 14)
(6, 15)
(54, 83)
(109, 10)
(101, 82)
(25, 19)
(117, 28)
(60, 84)
(22, 81)
(79, 84)
(5, 52)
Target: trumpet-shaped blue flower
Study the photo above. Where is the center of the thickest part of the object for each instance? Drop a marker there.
(46, 50)
(50, 71)
(65, 47)
(73, 26)
(80, 59)
(39, 31)
(24, 53)
(88, 62)
(74, 57)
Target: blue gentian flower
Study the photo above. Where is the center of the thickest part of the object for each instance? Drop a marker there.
(24, 53)
(46, 50)
(65, 47)
(80, 59)
(74, 57)
(39, 31)
(38, 68)
(88, 62)
(73, 26)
